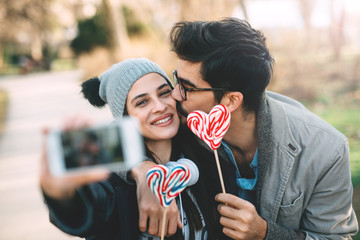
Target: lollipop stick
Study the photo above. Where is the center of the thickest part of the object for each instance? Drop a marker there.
(219, 170)
(163, 225)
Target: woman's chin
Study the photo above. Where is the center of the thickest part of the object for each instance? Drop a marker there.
(168, 134)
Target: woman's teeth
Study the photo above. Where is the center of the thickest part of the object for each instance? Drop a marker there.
(162, 121)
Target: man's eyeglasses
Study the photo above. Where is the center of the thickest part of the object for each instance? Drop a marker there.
(184, 89)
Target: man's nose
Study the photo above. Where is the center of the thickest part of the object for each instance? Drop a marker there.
(175, 94)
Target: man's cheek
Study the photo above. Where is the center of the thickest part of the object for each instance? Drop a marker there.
(180, 110)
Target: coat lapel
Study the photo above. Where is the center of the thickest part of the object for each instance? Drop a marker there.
(277, 150)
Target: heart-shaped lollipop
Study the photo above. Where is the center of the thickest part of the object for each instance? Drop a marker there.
(167, 184)
(211, 127)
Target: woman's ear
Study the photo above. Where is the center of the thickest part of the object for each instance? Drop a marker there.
(232, 100)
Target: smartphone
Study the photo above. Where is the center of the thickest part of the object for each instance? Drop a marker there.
(117, 145)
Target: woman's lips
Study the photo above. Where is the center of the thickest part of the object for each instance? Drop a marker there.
(163, 120)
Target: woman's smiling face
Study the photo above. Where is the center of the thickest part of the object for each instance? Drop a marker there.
(150, 101)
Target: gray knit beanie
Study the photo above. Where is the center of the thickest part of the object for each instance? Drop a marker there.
(116, 82)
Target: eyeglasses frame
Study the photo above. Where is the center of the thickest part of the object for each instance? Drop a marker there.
(178, 80)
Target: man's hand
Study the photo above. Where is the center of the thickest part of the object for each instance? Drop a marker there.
(240, 219)
(150, 210)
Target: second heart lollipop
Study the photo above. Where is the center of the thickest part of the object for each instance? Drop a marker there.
(167, 184)
(211, 128)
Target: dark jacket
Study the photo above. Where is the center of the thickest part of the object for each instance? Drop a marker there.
(102, 211)
(108, 210)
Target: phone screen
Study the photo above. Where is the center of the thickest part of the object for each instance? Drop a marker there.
(92, 147)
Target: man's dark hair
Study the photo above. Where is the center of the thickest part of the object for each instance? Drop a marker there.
(234, 56)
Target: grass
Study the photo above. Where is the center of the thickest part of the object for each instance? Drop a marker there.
(63, 64)
(9, 70)
(347, 121)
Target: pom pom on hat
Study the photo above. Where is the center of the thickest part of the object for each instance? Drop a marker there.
(90, 90)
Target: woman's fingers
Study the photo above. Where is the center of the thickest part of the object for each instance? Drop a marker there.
(61, 187)
(174, 219)
(76, 122)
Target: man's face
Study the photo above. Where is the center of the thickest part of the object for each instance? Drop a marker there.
(190, 75)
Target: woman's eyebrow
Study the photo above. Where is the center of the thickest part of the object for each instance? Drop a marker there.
(139, 96)
(163, 85)
(145, 94)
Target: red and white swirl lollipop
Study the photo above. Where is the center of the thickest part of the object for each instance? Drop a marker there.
(166, 184)
(211, 128)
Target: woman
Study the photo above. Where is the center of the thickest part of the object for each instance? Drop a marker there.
(108, 209)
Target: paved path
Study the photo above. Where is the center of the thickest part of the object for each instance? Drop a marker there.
(35, 101)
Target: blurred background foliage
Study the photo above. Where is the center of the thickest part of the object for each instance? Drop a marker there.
(86, 40)
(315, 43)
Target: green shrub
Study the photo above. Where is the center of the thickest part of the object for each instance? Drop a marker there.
(134, 26)
(92, 32)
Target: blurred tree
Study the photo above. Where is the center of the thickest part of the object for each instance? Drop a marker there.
(306, 10)
(118, 37)
(206, 9)
(134, 26)
(336, 29)
(92, 32)
(1, 56)
(101, 30)
(244, 9)
(26, 22)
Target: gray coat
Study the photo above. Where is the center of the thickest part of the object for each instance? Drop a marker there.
(304, 180)
(304, 173)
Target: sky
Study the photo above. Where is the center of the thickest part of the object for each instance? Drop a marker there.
(286, 13)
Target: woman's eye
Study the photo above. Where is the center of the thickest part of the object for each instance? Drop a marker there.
(140, 103)
(166, 92)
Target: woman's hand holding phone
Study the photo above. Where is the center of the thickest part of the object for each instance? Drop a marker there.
(64, 187)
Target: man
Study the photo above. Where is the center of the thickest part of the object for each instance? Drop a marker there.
(292, 169)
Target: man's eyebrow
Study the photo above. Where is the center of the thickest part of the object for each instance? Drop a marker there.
(187, 82)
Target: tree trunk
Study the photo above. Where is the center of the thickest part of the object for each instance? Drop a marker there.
(306, 9)
(1, 56)
(243, 9)
(36, 47)
(205, 10)
(337, 28)
(185, 9)
(119, 38)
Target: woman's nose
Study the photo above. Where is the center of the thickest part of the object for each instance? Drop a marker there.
(159, 105)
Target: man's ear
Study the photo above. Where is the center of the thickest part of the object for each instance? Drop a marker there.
(232, 100)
